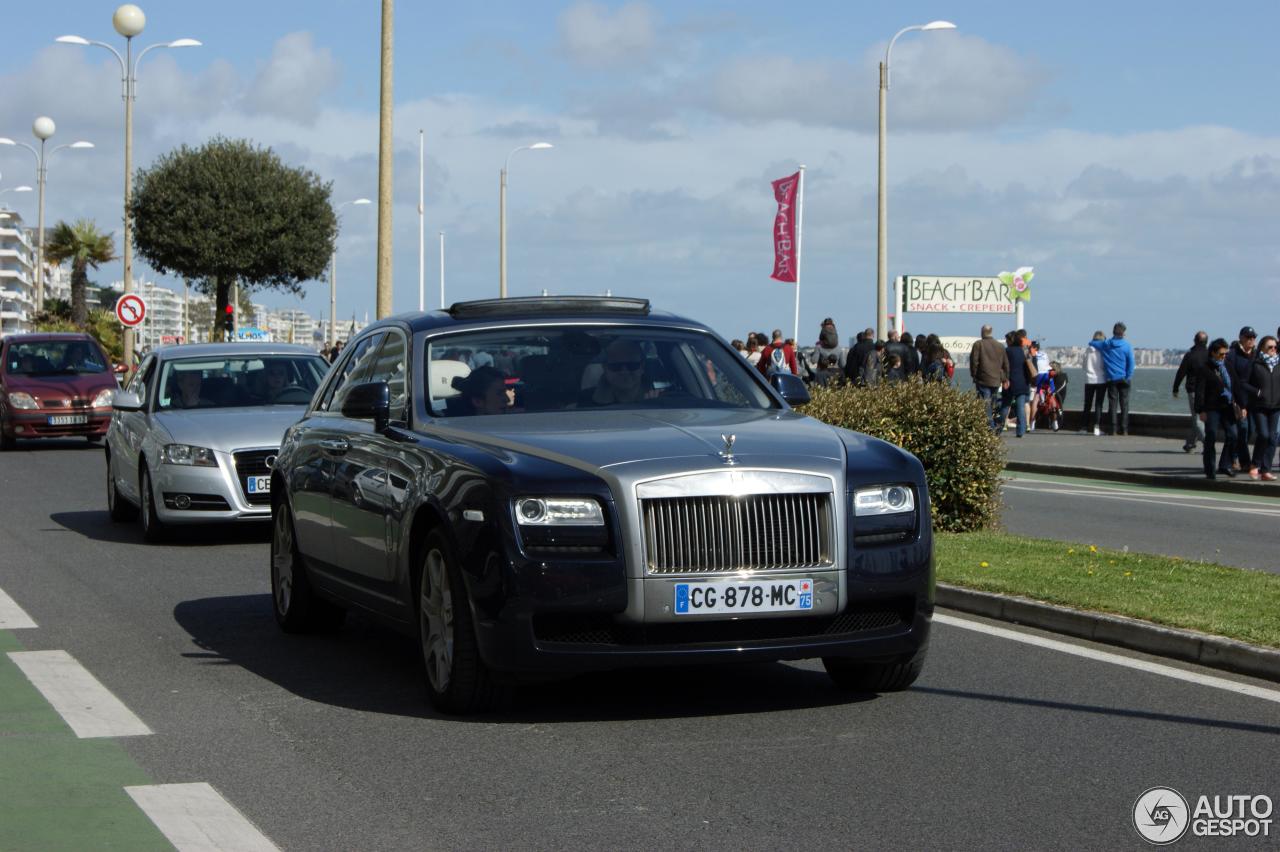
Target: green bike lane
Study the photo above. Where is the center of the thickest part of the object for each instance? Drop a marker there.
(59, 791)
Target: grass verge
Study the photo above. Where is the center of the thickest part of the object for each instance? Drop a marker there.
(1230, 602)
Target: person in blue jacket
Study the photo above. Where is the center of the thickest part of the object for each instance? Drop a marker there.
(1117, 360)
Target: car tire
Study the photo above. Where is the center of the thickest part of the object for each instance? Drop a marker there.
(8, 443)
(457, 679)
(153, 529)
(859, 676)
(118, 507)
(295, 604)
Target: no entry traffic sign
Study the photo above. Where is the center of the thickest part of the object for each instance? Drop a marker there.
(131, 310)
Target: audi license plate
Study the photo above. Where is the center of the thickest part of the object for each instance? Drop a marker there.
(726, 596)
(68, 419)
(258, 484)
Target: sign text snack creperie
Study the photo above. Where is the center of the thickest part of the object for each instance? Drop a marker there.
(956, 294)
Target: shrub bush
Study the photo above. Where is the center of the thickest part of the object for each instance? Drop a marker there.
(942, 426)
(103, 325)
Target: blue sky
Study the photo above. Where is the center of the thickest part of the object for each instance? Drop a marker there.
(1130, 152)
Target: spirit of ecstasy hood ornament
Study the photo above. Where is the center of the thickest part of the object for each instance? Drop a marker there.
(727, 452)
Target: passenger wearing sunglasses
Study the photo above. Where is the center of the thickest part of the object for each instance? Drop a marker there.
(623, 379)
(1266, 408)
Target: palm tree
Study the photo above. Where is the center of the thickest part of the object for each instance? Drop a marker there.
(84, 246)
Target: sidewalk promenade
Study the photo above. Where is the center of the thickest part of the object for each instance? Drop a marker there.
(1132, 458)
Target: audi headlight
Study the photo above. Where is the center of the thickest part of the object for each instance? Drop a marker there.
(22, 400)
(559, 511)
(104, 397)
(188, 455)
(883, 500)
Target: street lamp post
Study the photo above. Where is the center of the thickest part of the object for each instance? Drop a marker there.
(128, 21)
(42, 128)
(502, 215)
(333, 275)
(882, 228)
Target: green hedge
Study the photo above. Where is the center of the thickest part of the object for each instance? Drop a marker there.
(944, 427)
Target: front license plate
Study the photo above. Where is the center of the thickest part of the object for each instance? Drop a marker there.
(724, 596)
(68, 419)
(258, 484)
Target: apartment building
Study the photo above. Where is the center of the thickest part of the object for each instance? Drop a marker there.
(17, 274)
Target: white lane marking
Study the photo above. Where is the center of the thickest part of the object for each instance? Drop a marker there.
(11, 615)
(1132, 497)
(196, 818)
(1114, 659)
(80, 698)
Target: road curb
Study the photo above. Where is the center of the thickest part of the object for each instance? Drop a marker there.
(1135, 634)
(1230, 486)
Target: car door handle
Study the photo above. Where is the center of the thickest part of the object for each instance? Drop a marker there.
(337, 446)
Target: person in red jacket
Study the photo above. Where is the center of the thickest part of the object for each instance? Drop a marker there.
(785, 361)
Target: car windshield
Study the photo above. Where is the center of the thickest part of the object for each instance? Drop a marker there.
(237, 381)
(53, 357)
(561, 368)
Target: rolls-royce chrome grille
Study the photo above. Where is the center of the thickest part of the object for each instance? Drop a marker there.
(760, 532)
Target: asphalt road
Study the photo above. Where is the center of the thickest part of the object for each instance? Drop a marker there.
(328, 743)
(1230, 529)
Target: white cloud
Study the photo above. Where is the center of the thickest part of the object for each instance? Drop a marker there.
(593, 36)
(294, 81)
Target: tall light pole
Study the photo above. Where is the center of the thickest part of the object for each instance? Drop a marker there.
(129, 21)
(502, 215)
(386, 155)
(333, 273)
(882, 228)
(42, 128)
(422, 224)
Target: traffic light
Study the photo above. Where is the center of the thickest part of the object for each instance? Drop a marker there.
(231, 322)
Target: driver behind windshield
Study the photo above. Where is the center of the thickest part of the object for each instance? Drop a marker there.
(275, 378)
(78, 358)
(187, 390)
(623, 379)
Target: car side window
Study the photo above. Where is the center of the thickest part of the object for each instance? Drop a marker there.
(142, 379)
(351, 372)
(389, 366)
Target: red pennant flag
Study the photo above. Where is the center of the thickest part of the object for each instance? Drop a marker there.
(784, 229)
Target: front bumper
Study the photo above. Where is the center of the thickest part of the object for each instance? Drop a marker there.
(885, 618)
(212, 495)
(35, 423)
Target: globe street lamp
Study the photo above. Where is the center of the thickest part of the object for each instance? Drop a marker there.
(333, 274)
(128, 21)
(502, 215)
(42, 128)
(882, 229)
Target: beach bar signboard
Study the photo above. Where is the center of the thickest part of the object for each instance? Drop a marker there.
(955, 294)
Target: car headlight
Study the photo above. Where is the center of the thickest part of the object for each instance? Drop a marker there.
(103, 399)
(559, 511)
(22, 400)
(883, 500)
(188, 455)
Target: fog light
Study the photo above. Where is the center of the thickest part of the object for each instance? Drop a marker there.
(182, 501)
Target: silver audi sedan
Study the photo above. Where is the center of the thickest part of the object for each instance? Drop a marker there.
(195, 432)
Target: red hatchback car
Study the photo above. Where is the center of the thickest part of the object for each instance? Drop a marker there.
(53, 385)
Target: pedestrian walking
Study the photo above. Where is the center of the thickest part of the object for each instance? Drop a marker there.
(1039, 362)
(1215, 405)
(911, 358)
(1095, 386)
(1240, 362)
(873, 367)
(1018, 386)
(1189, 369)
(779, 356)
(1117, 360)
(989, 369)
(1265, 413)
(857, 357)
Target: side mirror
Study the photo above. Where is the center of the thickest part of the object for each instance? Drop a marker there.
(369, 401)
(124, 400)
(792, 388)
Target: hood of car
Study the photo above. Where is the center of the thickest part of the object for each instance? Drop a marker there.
(60, 385)
(229, 429)
(605, 439)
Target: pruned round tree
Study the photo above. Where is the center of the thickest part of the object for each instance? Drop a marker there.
(229, 211)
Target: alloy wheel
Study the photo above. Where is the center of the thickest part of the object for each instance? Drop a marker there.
(436, 613)
(282, 561)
